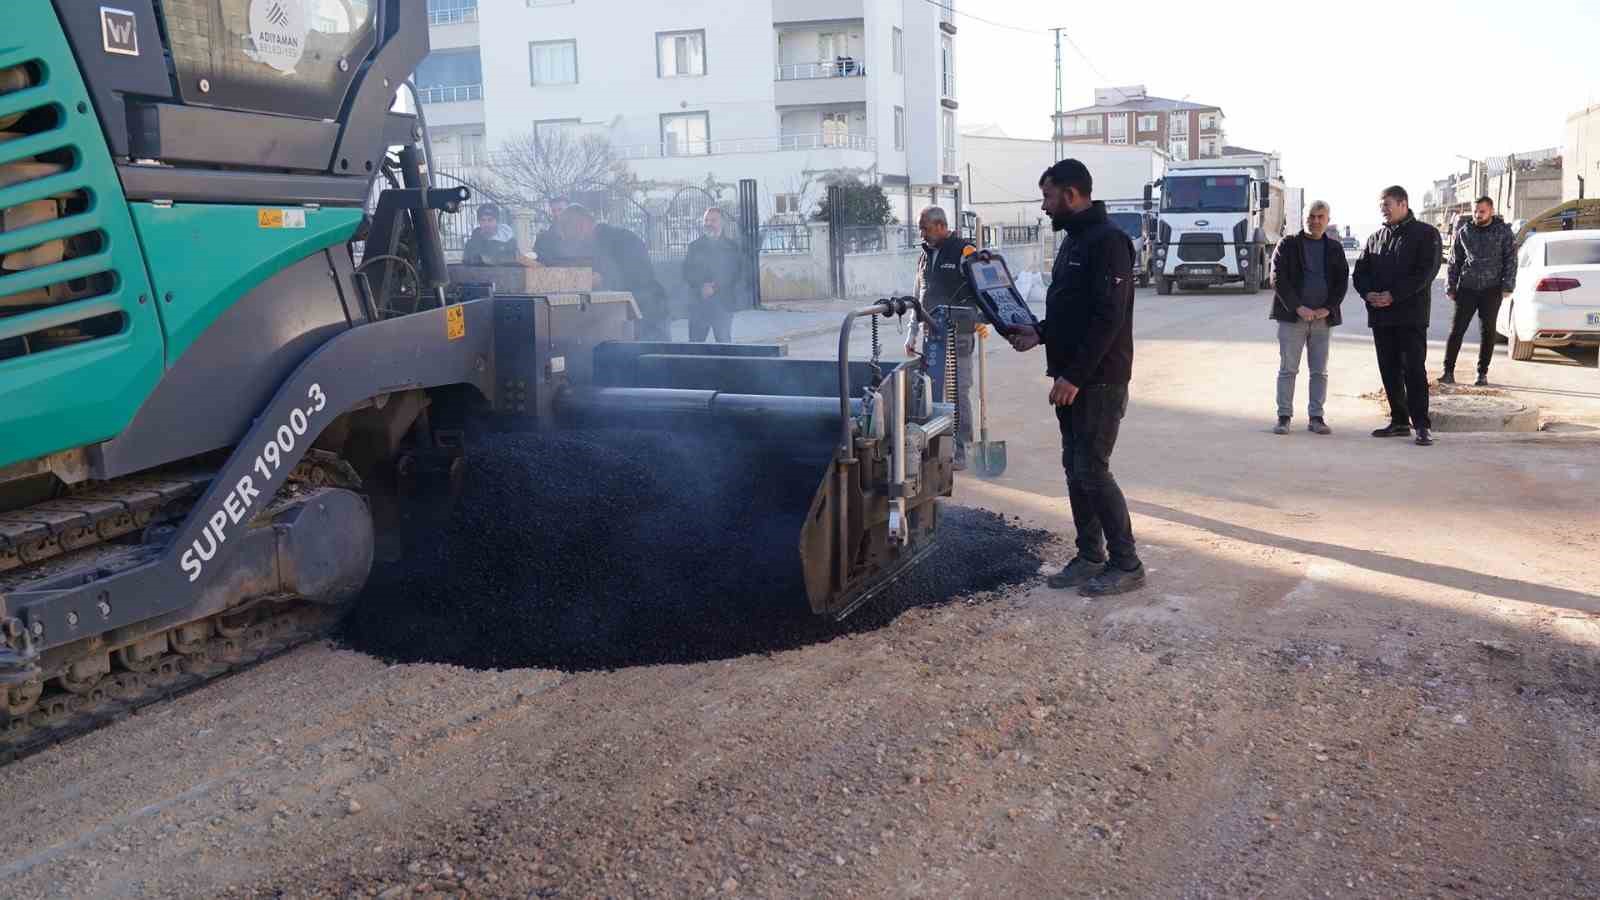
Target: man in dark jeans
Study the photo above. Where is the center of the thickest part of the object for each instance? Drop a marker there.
(1483, 270)
(1395, 276)
(712, 267)
(1087, 333)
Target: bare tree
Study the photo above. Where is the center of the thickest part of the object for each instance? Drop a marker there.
(532, 169)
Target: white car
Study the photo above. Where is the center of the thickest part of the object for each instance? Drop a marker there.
(1557, 299)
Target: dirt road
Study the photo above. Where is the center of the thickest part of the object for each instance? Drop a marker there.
(1361, 668)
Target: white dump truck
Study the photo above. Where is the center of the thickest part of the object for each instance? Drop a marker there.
(1220, 221)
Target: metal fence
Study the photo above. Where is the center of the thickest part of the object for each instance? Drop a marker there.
(879, 238)
(795, 238)
(843, 67)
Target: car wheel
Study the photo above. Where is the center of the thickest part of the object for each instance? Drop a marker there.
(1521, 350)
(1163, 285)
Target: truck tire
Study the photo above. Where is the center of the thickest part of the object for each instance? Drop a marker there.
(1163, 285)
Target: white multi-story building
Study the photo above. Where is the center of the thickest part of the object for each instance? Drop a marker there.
(781, 91)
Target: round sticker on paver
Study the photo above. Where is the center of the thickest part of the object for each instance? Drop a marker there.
(278, 30)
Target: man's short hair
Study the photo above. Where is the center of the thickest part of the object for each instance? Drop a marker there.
(1069, 173)
(575, 211)
(934, 214)
(1396, 192)
(488, 209)
(1317, 205)
(1484, 200)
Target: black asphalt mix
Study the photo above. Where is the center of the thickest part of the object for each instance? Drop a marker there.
(602, 550)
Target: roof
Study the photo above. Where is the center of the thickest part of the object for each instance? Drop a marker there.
(1230, 150)
(1144, 104)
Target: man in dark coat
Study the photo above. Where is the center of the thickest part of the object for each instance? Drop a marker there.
(1087, 334)
(1483, 270)
(1309, 281)
(1394, 275)
(712, 268)
(621, 263)
(493, 242)
(940, 282)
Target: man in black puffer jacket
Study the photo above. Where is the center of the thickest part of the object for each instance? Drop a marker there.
(1395, 276)
(1087, 334)
(1483, 270)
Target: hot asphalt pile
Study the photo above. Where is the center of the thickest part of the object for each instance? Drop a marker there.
(609, 549)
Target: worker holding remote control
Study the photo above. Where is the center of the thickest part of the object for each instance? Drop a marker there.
(1087, 334)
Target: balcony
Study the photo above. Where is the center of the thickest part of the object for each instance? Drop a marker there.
(816, 10)
(459, 16)
(947, 16)
(820, 83)
(843, 67)
(453, 93)
(952, 163)
(947, 90)
(780, 144)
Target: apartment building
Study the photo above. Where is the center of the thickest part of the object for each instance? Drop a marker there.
(782, 91)
(1130, 115)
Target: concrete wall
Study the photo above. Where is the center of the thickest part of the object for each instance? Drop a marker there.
(1581, 155)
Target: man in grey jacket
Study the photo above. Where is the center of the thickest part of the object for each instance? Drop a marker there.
(1483, 270)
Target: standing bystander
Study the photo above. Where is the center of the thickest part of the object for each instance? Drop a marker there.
(1309, 281)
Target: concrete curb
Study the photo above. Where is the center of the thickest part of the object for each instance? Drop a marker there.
(1481, 412)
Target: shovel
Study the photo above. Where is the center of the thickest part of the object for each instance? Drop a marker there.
(991, 454)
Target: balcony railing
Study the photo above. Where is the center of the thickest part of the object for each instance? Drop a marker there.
(455, 93)
(843, 67)
(779, 144)
(452, 16)
(947, 85)
(951, 163)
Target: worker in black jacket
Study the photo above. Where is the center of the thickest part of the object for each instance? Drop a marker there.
(1395, 276)
(712, 268)
(1087, 334)
(621, 263)
(1482, 273)
(940, 282)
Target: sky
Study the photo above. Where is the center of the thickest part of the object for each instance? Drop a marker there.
(1354, 95)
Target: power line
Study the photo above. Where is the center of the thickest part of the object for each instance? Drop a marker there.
(992, 22)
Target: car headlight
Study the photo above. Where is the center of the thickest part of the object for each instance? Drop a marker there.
(1244, 263)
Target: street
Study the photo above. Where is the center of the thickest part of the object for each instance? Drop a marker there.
(1361, 668)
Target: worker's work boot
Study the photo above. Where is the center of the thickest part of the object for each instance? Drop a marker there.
(1075, 573)
(1448, 377)
(1282, 427)
(1318, 426)
(1114, 580)
(1483, 380)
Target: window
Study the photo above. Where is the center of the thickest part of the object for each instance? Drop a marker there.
(1179, 125)
(897, 50)
(451, 12)
(786, 204)
(1208, 148)
(899, 128)
(553, 62)
(1149, 123)
(555, 129)
(447, 76)
(686, 134)
(1208, 121)
(949, 142)
(1119, 129)
(947, 59)
(835, 129)
(1179, 148)
(1085, 125)
(680, 54)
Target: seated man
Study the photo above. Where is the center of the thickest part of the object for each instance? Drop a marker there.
(493, 243)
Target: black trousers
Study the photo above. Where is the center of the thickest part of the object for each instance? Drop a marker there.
(1099, 511)
(710, 317)
(1485, 304)
(1403, 363)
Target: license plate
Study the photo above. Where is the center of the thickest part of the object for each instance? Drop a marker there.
(1594, 318)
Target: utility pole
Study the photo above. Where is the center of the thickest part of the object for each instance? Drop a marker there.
(1056, 124)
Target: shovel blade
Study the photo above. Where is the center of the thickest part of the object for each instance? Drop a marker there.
(991, 459)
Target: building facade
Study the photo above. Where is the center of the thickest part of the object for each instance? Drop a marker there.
(1580, 171)
(787, 92)
(1130, 115)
